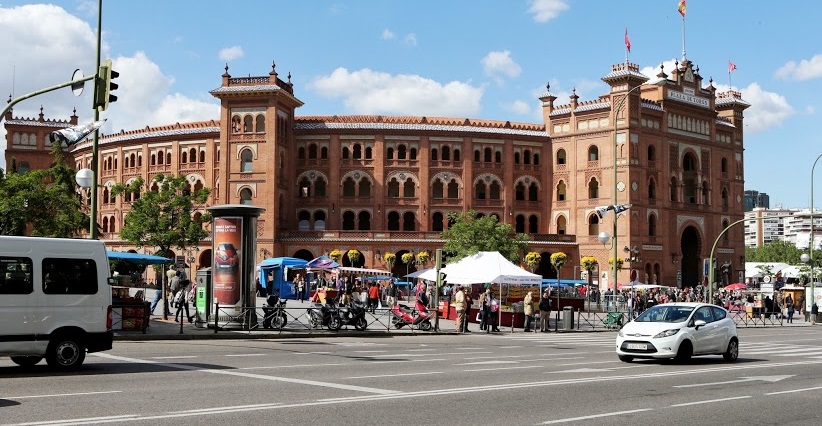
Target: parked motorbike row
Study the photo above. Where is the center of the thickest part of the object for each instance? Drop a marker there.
(333, 316)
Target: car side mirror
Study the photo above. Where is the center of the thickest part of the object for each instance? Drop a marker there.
(699, 323)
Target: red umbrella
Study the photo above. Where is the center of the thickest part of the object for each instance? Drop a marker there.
(736, 286)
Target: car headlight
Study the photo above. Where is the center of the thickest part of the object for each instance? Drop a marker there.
(621, 333)
(667, 333)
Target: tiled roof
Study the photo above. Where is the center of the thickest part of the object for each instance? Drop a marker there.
(731, 101)
(625, 73)
(652, 105)
(379, 122)
(195, 128)
(724, 123)
(593, 106)
(423, 127)
(38, 123)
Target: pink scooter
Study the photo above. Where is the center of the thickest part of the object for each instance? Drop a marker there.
(420, 316)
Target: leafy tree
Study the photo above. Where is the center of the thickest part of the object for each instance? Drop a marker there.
(470, 234)
(589, 263)
(532, 260)
(41, 202)
(774, 251)
(390, 260)
(163, 217)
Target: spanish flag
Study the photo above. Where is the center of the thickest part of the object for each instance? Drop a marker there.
(681, 8)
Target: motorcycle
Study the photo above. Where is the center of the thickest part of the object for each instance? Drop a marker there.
(354, 314)
(274, 313)
(402, 315)
(325, 315)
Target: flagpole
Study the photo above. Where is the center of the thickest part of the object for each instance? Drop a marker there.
(683, 37)
(730, 86)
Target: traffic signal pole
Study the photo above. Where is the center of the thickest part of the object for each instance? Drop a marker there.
(95, 139)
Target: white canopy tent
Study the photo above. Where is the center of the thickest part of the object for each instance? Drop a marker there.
(488, 267)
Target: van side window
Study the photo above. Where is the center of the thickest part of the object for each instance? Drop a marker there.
(15, 275)
(69, 276)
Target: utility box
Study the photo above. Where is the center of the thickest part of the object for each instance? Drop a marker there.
(568, 318)
(202, 297)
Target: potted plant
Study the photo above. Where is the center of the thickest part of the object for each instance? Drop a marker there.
(532, 260)
(335, 255)
(422, 258)
(390, 259)
(353, 256)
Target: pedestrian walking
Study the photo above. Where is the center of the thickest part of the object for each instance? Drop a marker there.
(468, 301)
(373, 297)
(545, 311)
(181, 299)
(814, 313)
(528, 310)
(485, 309)
(790, 307)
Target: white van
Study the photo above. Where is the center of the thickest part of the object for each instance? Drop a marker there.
(55, 300)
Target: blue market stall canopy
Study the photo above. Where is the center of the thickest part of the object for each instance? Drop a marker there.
(278, 267)
(552, 282)
(137, 258)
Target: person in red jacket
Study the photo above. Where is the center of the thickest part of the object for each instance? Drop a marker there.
(373, 297)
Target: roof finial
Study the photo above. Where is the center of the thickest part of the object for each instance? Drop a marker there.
(548, 86)
(273, 69)
(289, 77)
(225, 74)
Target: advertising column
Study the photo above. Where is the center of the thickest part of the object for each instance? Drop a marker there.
(234, 242)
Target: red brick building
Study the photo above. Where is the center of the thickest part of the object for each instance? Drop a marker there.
(381, 184)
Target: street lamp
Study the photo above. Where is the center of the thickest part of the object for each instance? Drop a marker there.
(811, 243)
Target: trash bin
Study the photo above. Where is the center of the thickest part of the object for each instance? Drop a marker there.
(567, 318)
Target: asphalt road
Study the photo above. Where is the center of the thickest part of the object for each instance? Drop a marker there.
(497, 379)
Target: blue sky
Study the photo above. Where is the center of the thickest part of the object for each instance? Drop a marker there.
(460, 58)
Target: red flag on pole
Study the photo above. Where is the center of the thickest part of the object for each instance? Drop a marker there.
(627, 40)
(681, 8)
(731, 66)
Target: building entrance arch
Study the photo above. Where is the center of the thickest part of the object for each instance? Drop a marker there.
(690, 245)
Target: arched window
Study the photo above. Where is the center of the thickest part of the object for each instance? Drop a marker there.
(202, 158)
(526, 157)
(437, 222)
(533, 224)
(168, 159)
(393, 221)
(183, 159)
(247, 124)
(561, 157)
(364, 221)
(368, 153)
(437, 189)
(516, 158)
(348, 221)
(536, 159)
(673, 190)
(651, 153)
(494, 192)
(533, 192)
(312, 151)
(357, 152)
(652, 225)
(245, 196)
(319, 187)
(402, 152)
(446, 153)
(724, 198)
(453, 189)
(319, 220)
(393, 188)
(434, 154)
(519, 192)
(346, 153)
(161, 158)
(488, 155)
(304, 220)
(235, 124)
(105, 223)
(498, 157)
(519, 224)
(593, 188)
(246, 161)
(724, 165)
(561, 191)
(105, 196)
(409, 189)
(324, 153)
(593, 153)
(409, 222)
(349, 188)
(593, 224)
(726, 237)
(365, 188)
(479, 189)
(301, 153)
(412, 154)
(689, 167)
(389, 153)
(477, 156)
(305, 188)
(456, 155)
(192, 155)
(652, 189)
(562, 223)
(260, 124)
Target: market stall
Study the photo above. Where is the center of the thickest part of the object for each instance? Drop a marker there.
(129, 307)
(276, 275)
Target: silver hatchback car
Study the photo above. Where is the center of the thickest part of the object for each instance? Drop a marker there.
(679, 330)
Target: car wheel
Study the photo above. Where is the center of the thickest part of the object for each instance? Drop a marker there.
(360, 324)
(732, 353)
(625, 358)
(26, 361)
(685, 351)
(334, 323)
(65, 353)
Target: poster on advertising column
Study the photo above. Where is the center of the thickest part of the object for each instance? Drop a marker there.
(228, 237)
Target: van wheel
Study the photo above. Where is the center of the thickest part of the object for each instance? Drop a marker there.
(65, 353)
(26, 361)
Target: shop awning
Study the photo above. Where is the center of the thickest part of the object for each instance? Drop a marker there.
(137, 258)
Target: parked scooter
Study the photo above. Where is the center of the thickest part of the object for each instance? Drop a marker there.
(274, 313)
(325, 315)
(420, 317)
(354, 314)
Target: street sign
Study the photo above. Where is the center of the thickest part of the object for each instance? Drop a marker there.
(766, 279)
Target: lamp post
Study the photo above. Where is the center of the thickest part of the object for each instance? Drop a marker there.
(811, 243)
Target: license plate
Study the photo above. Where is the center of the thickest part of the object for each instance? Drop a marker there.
(638, 346)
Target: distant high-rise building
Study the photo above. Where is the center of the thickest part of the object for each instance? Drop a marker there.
(756, 199)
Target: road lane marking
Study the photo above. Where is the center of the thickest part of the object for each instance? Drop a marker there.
(237, 355)
(794, 391)
(595, 416)
(396, 375)
(523, 356)
(710, 401)
(594, 362)
(251, 375)
(335, 364)
(175, 357)
(58, 394)
(368, 352)
(770, 379)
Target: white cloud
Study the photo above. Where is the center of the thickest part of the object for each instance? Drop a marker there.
(498, 64)
(651, 72)
(371, 92)
(806, 69)
(768, 109)
(388, 34)
(519, 107)
(46, 54)
(411, 40)
(231, 53)
(545, 10)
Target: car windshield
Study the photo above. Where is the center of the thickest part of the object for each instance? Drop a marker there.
(666, 313)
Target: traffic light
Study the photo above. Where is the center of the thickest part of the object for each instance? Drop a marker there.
(104, 86)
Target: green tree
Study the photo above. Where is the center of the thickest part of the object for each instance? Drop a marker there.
(42, 202)
(470, 234)
(163, 218)
(774, 251)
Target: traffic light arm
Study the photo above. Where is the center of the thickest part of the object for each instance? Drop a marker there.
(14, 101)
